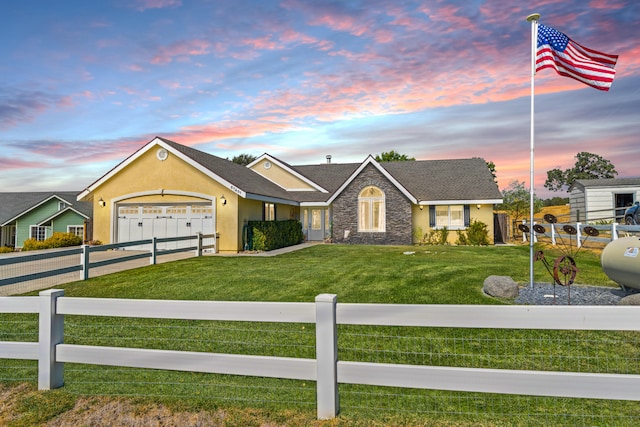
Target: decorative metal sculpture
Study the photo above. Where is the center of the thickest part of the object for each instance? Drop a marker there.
(564, 269)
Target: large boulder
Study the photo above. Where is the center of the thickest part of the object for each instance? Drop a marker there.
(633, 299)
(500, 287)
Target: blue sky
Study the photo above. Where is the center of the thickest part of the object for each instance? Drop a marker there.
(86, 83)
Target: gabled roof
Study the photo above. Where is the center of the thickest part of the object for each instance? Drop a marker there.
(13, 205)
(428, 181)
(371, 161)
(422, 182)
(290, 169)
(235, 177)
(606, 182)
(457, 180)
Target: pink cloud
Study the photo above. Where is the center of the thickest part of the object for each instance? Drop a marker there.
(142, 5)
(135, 68)
(12, 163)
(181, 50)
(262, 43)
(605, 4)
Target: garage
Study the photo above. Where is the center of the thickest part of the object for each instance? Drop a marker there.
(145, 221)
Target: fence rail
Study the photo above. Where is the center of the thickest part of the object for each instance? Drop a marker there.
(326, 369)
(610, 232)
(84, 264)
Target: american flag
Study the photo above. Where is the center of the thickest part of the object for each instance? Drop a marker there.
(568, 58)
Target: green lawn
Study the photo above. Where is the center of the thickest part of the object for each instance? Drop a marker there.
(357, 274)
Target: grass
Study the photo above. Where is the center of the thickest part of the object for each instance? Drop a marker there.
(357, 274)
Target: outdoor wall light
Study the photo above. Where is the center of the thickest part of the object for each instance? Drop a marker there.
(421, 207)
(223, 200)
(102, 203)
(478, 206)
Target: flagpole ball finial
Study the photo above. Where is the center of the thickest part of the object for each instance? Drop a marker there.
(533, 17)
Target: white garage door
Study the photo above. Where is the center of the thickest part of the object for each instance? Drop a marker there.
(141, 222)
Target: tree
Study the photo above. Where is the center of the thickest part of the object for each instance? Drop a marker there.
(588, 166)
(555, 201)
(516, 200)
(392, 156)
(492, 168)
(243, 159)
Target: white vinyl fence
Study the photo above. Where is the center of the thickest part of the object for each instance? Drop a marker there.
(326, 369)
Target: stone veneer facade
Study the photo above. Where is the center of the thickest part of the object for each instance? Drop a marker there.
(397, 212)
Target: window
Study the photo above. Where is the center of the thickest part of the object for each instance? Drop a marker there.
(316, 219)
(269, 212)
(77, 230)
(454, 217)
(61, 205)
(38, 232)
(371, 210)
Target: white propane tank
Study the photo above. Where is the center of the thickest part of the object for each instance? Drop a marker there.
(620, 261)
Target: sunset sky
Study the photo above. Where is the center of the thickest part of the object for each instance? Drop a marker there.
(84, 84)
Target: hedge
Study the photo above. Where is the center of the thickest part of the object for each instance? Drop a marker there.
(270, 235)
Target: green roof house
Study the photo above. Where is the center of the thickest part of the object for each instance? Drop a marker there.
(40, 214)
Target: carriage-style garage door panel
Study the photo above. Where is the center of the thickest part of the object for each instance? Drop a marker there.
(138, 222)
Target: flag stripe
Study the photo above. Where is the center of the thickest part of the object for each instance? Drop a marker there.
(570, 59)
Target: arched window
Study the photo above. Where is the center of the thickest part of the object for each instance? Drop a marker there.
(371, 210)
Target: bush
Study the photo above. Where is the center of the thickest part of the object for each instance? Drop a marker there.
(5, 249)
(269, 235)
(477, 234)
(58, 240)
(434, 237)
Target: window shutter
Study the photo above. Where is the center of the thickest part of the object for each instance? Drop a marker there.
(432, 216)
(467, 216)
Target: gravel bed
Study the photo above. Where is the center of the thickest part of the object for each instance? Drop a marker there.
(542, 294)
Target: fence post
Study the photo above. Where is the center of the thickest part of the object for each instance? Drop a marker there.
(328, 400)
(553, 234)
(51, 333)
(199, 244)
(578, 235)
(154, 250)
(84, 261)
(524, 235)
(614, 231)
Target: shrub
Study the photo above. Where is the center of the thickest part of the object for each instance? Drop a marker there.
(5, 249)
(58, 240)
(269, 235)
(33, 245)
(433, 237)
(477, 234)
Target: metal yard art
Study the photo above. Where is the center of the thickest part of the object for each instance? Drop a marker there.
(563, 269)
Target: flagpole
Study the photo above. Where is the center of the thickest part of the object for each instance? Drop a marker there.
(533, 18)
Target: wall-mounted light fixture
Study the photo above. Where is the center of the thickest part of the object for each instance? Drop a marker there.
(478, 206)
(223, 200)
(421, 207)
(102, 203)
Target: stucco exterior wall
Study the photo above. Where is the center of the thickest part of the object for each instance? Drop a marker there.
(397, 206)
(421, 222)
(280, 176)
(149, 180)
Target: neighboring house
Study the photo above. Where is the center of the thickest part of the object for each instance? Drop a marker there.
(167, 189)
(602, 199)
(39, 214)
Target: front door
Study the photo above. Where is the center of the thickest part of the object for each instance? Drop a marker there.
(315, 223)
